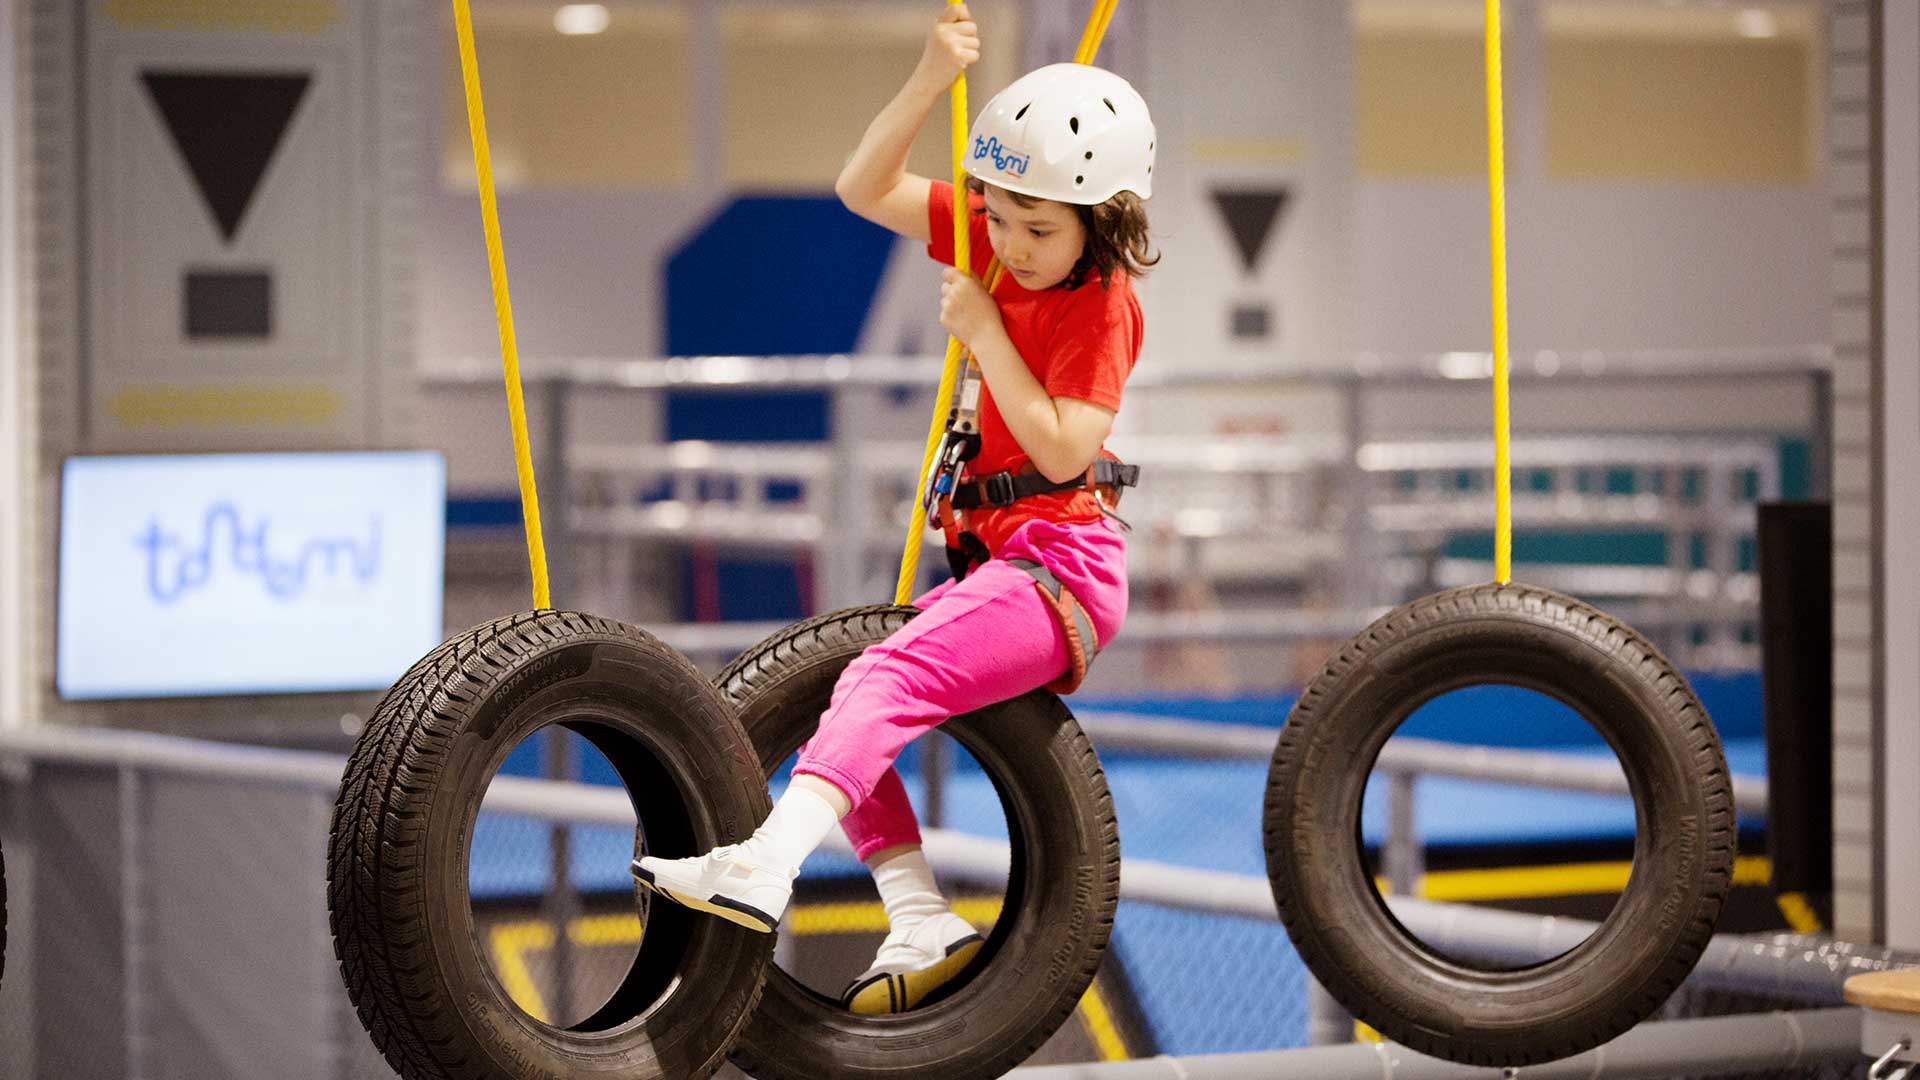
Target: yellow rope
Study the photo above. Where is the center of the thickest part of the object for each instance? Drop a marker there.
(1096, 30)
(949, 374)
(502, 306)
(1497, 201)
(1090, 38)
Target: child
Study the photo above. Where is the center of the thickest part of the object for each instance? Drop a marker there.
(1059, 164)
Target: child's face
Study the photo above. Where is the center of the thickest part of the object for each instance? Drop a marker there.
(1037, 244)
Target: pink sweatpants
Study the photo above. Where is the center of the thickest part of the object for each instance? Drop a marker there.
(980, 641)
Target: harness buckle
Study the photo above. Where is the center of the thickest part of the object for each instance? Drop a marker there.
(997, 489)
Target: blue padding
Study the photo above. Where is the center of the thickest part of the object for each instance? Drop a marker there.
(1626, 547)
(1484, 716)
(483, 511)
(729, 416)
(1211, 984)
(774, 274)
(753, 590)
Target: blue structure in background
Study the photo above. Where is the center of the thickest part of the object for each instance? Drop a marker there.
(772, 274)
(768, 275)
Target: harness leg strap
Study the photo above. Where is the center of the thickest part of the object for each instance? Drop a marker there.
(1082, 643)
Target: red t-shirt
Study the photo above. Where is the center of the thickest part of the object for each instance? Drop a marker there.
(1079, 343)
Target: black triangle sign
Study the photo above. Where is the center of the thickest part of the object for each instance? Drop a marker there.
(1251, 214)
(227, 127)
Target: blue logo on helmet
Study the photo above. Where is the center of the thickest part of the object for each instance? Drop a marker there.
(1004, 159)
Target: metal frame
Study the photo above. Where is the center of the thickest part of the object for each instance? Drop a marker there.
(1719, 1046)
(1273, 517)
(1777, 967)
(1783, 968)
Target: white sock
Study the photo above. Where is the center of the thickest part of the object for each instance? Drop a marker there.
(908, 891)
(799, 822)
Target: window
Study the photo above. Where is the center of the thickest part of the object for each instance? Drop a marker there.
(617, 108)
(1643, 90)
(602, 110)
(804, 80)
(1654, 91)
(1419, 88)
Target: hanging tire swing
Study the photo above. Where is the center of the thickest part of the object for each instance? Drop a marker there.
(1063, 878)
(1539, 640)
(1683, 846)
(402, 831)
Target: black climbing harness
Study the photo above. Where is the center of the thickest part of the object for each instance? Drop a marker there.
(947, 494)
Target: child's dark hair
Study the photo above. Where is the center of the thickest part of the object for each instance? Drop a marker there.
(1116, 235)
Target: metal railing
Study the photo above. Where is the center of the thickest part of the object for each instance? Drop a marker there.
(1722, 1046)
(1329, 516)
(159, 788)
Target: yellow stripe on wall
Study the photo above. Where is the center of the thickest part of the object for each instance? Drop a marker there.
(268, 405)
(277, 16)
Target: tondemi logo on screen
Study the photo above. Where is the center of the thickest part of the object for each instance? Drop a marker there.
(198, 574)
(287, 566)
(1004, 158)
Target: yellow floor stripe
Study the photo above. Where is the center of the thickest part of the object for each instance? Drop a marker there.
(1798, 912)
(511, 942)
(622, 928)
(1100, 1026)
(1566, 879)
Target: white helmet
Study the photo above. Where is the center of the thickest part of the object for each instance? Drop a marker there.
(1072, 133)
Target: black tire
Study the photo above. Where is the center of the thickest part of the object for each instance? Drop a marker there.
(1683, 847)
(397, 859)
(1062, 888)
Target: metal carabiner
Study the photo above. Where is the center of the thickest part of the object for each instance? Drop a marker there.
(1874, 1071)
(931, 492)
(947, 460)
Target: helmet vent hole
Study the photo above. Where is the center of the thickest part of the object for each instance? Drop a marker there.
(1078, 180)
(1089, 155)
(1108, 102)
(1074, 123)
(1023, 110)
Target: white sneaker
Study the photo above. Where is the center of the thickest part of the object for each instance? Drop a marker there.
(722, 882)
(912, 965)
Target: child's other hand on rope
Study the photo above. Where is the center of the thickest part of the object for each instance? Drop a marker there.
(966, 310)
(952, 46)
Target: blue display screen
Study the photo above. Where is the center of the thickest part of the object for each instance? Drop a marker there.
(248, 573)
